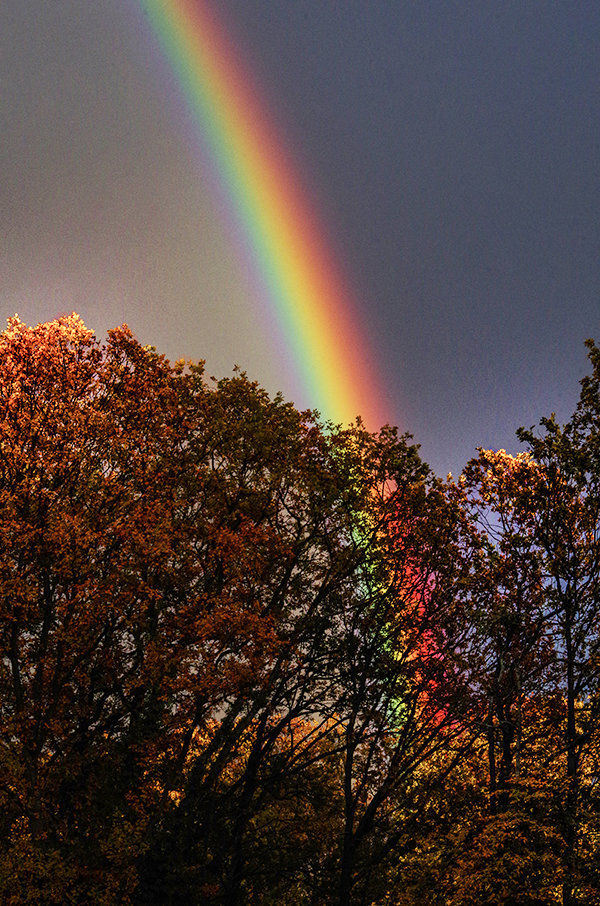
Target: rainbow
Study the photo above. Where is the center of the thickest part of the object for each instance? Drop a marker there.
(306, 293)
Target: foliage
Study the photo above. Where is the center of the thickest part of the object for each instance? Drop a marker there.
(246, 658)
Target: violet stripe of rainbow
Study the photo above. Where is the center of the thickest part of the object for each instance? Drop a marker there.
(306, 293)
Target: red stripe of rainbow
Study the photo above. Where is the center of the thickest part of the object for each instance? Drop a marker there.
(306, 291)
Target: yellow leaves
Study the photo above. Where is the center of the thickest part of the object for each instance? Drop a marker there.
(70, 328)
(507, 859)
(30, 875)
(502, 475)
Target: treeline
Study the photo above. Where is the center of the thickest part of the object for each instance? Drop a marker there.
(249, 659)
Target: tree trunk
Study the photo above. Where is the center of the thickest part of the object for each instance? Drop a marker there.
(570, 835)
(235, 875)
(349, 842)
(492, 759)
(346, 868)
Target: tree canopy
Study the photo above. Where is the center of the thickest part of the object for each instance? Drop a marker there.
(249, 658)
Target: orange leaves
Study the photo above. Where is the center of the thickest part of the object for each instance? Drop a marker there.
(147, 533)
(207, 603)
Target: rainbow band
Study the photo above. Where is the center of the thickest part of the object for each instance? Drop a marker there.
(306, 293)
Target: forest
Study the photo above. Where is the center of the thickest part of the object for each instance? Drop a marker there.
(248, 657)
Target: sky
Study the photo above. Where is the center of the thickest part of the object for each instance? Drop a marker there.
(451, 150)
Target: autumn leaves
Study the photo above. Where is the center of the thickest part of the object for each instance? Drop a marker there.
(247, 660)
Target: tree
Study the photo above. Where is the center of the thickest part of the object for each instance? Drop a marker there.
(86, 486)
(185, 570)
(510, 613)
(223, 623)
(542, 606)
(401, 665)
(567, 530)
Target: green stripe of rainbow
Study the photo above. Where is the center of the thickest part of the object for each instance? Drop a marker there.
(307, 294)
